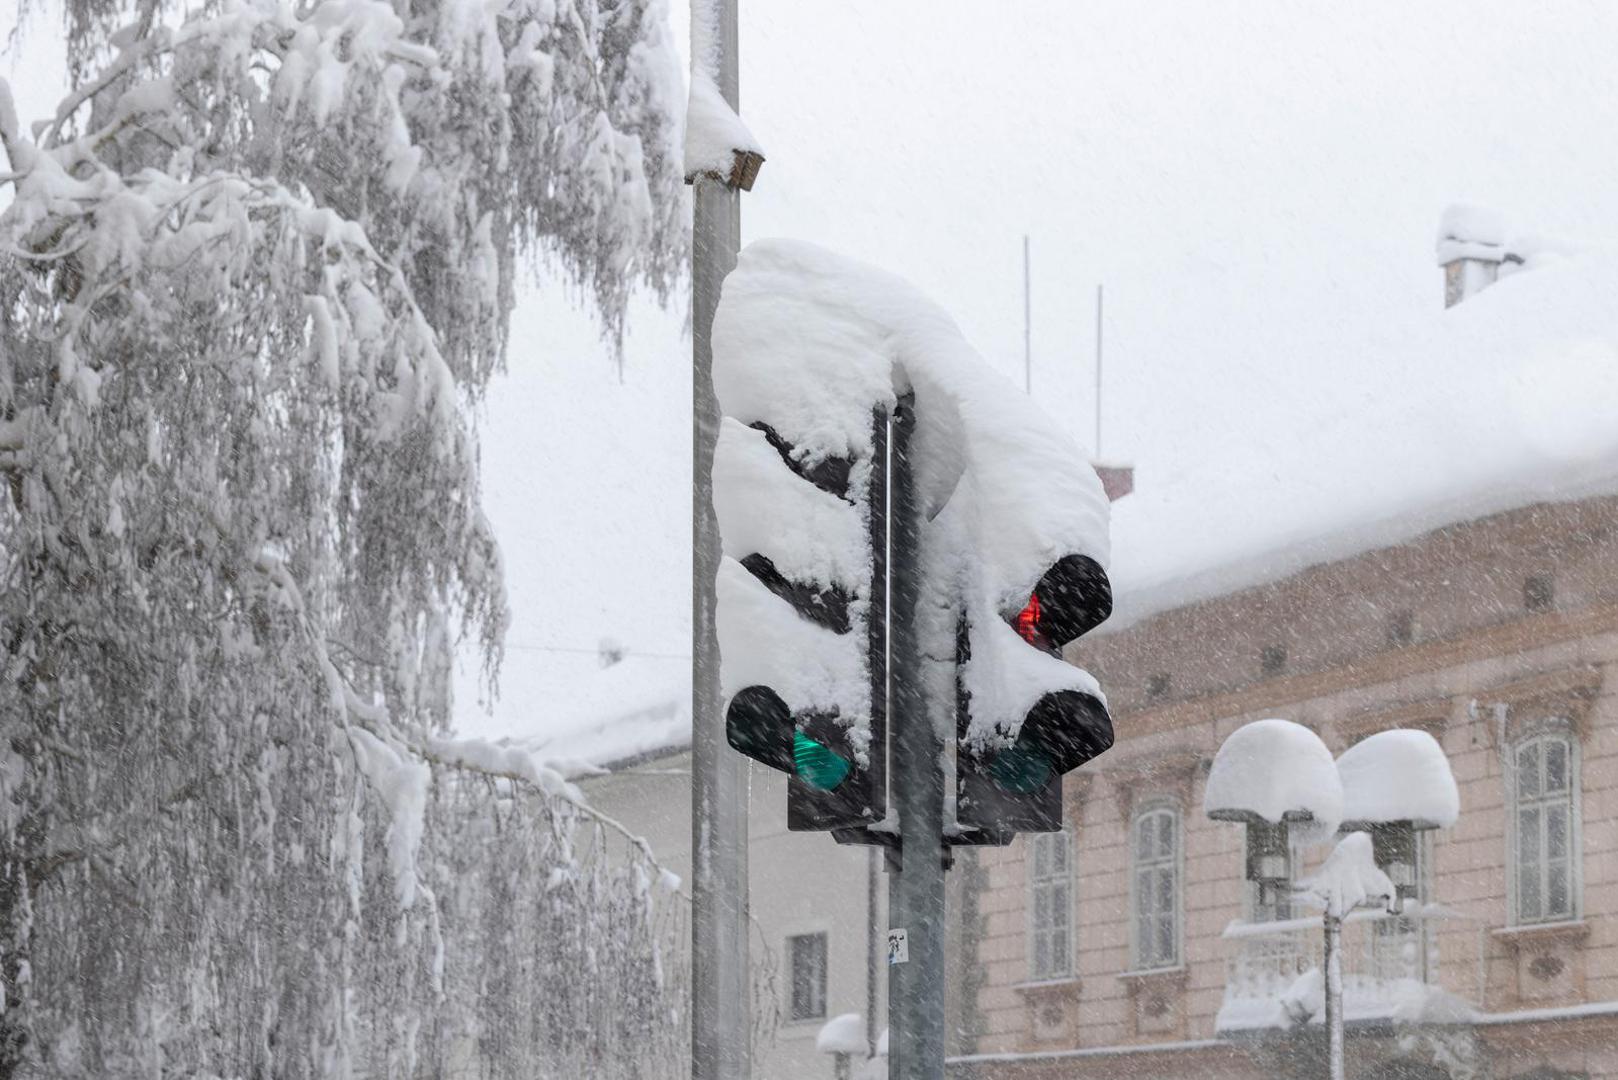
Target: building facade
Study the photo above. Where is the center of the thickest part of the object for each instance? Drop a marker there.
(1130, 945)
(810, 900)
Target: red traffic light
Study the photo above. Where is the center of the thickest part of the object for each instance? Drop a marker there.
(1072, 598)
(1027, 622)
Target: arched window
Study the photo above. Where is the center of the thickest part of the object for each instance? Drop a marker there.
(1544, 782)
(1050, 905)
(1155, 887)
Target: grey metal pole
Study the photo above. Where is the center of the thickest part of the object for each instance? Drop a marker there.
(721, 991)
(873, 948)
(916, 887)
(1334, 994)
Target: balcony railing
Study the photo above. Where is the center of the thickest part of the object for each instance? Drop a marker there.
(1419, 966)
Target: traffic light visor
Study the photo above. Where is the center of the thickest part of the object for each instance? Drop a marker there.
(759, 724)
(1063, 731)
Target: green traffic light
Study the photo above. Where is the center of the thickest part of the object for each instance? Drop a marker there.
(816, 765)
(1021, 771)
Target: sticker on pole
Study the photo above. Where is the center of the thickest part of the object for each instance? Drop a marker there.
(898, 947)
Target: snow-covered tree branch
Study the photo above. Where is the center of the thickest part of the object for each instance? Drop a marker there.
(256, 273)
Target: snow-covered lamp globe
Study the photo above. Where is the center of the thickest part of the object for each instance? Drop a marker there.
(1278, 779)
(1395, 784)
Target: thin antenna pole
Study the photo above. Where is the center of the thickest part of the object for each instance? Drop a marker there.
(1027, 323)
(1098, 371)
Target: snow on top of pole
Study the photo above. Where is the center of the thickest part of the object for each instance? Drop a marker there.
(1270, 769)
(1348, 878)
(713, 130)
(843, 1034)
(1398, 775)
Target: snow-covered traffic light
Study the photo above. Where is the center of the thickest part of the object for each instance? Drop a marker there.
(1011, 782)
(801, 604)
(867, 449)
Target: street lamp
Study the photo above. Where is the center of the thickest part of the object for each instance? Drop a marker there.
(1396, 784)
(1278, 780)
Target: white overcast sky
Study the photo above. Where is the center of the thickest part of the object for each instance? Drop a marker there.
(1256, 183)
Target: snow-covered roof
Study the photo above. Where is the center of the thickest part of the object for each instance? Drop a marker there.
(1470, 232)
(1507, 399)
(637, 707)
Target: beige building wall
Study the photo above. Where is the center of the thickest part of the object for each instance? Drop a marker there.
(800, 883)
(1482, 634)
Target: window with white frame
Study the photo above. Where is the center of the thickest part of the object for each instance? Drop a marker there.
(806, 953)
(1050, 905)
(1156, 887)
(1544, 826)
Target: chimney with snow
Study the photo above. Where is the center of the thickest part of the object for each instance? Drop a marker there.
(1471, 246)
(1116, 480)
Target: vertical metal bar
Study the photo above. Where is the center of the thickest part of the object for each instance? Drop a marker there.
(877, 657)
(916, 888)
(1334, 994)
(721, 989)
(876, 642)
(873, 947)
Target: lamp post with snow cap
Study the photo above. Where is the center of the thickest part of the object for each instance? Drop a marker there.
(1278, 779)
(1397, 784)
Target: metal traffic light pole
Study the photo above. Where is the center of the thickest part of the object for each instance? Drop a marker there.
(916, 789)
(721, 990)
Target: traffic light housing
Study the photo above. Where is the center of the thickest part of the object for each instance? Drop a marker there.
(1008, 782)
(832, 753)
(827, 786)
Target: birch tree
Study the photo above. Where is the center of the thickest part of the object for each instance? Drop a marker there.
(255, 276)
